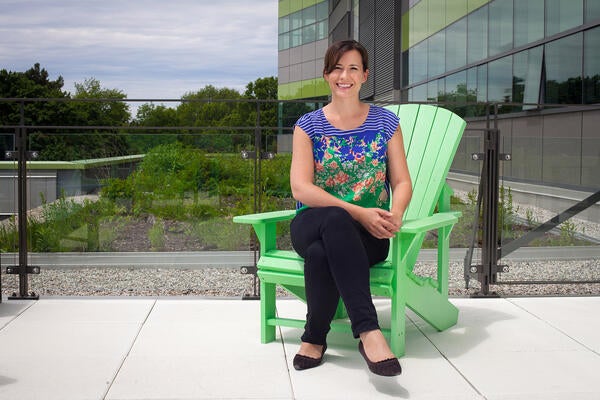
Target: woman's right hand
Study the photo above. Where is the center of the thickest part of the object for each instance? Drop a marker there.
(378, 222)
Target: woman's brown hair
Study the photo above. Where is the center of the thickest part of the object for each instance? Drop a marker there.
(338, 49)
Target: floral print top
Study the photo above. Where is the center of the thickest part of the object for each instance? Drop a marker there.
(352, 164)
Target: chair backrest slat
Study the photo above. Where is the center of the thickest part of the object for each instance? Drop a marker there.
(431, 136)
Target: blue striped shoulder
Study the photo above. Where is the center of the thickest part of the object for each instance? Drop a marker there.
(309, 122)
(387, 119)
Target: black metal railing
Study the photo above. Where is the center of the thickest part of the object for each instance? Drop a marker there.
(260, 142)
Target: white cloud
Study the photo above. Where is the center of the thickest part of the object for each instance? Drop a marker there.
(147, 49)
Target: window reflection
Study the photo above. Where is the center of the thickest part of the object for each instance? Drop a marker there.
(436, 60)
(456, 45)
(563, 79)
(500, 26)
(456, 92)
(529, 21)
(500, 80)
(591, 66)
(527, 75)
(562, 15)
(477, 35)
(418, 62)
(592, 10)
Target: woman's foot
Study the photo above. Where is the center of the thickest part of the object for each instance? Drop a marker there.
(309, 356)
(375, 345)
(378, 355)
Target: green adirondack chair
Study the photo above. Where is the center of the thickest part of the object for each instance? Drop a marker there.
(431, 137)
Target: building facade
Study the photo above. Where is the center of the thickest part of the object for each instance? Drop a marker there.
(531, 58)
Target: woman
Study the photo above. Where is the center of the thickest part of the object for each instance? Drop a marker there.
(346, 158)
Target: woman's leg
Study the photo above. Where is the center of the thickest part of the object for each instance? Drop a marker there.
(338, 253)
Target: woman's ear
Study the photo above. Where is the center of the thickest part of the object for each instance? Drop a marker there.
(365, 75)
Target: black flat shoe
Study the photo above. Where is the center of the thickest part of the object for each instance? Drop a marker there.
(387, 367)
(304, 362)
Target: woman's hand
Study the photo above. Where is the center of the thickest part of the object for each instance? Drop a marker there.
(380, 223)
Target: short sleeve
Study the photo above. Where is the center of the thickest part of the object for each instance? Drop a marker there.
(390, 122)
(307, 123)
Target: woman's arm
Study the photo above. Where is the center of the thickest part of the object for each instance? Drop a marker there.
(302, 176)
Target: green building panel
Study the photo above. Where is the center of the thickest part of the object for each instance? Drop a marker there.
(430, 16)
(309, 88)
(287, 7)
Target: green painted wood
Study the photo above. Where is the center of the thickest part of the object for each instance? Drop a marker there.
(431, 137)
(267, 217)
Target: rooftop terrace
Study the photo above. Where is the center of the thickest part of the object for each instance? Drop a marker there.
(200, 348)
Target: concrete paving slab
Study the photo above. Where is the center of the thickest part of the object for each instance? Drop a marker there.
(67, 349)
(197, 348)
(344, 373)
(505, 352)
(576, 317)
(9, 310)
(207, 349)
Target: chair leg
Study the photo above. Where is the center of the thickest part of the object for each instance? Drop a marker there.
(267, 310)
(398, 324)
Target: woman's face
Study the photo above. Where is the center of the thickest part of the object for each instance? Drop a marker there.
(348, 76)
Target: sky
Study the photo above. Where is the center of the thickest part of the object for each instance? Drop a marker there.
(148, 49)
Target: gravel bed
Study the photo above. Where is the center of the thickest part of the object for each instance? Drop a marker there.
(229, 282)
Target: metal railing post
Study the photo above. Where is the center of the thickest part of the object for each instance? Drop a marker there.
(23, 270)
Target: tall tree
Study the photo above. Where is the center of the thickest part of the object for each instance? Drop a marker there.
(33, 83)
(206, 108)
(152, 115)
(93, 106)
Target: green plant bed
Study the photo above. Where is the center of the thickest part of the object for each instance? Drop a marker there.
(510, 228)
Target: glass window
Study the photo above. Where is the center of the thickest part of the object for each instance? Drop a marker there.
(322, 11)
(436, 60)
(435, 89)
(500, 35)
(418, 62)
(592, 10)
(284, 24)
(529, 21)
(419, 93)
(309, 15)
(482, 83)
(562, 15)
(405, 68)
(456, 45)
(476, 90)
(527, 77)
(296, 20)
(321, 30)
(456, 92)
(500, 80)
(436, 10)
(477, 30)
(455, 10)
(308, 34)
(591, 66)
(418, 26)
(563, 79)
(296, 38)
(284, 41)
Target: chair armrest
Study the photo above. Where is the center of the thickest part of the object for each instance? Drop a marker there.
(265, 226)
(265, 218)
(432, 222)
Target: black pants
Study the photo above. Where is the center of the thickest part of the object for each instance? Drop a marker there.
(338, 253)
